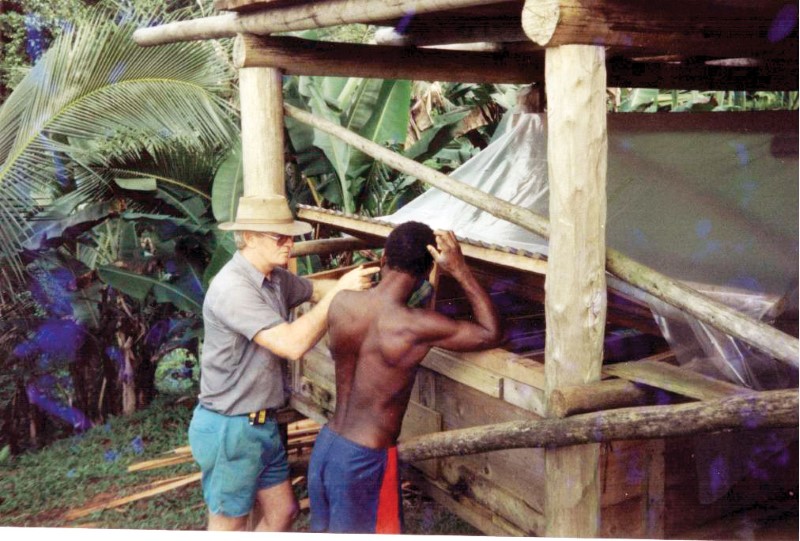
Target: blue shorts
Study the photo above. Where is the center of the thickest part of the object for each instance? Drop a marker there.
(352, 488)
(236, 459)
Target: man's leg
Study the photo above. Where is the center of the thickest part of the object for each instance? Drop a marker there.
(278, 507)
(221, 523)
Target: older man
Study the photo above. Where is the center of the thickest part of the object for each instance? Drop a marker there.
(248, 332)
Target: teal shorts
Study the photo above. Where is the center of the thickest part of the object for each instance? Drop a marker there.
(236, 459)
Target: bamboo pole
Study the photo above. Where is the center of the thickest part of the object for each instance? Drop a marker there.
(768, 409)
(330, 246)
(295, 16)
(756, 333)
(296, 56)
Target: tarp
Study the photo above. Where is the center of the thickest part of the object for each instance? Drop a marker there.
(706, 198)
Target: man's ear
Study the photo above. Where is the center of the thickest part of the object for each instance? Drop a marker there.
(383, 260)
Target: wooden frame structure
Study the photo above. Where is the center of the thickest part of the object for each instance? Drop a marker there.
(576, 49)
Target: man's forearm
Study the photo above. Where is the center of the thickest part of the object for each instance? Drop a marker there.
(293, 340)
(483, 309)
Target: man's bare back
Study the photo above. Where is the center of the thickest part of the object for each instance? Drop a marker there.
(377, 343)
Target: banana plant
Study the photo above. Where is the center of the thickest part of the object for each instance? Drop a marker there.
(376, 109)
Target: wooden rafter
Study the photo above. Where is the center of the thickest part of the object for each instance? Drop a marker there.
(295, 56)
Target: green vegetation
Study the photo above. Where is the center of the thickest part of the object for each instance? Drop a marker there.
(38, 488)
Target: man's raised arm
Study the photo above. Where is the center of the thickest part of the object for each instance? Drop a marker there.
(485, 331)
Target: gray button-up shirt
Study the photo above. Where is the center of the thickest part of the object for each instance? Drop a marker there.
(237, 375)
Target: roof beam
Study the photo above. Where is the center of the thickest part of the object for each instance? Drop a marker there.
(283, 17)
(295, 56)
(714, 28)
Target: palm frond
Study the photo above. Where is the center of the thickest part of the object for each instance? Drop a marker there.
(92, 89)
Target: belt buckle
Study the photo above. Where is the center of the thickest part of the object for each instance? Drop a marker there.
(258, 418)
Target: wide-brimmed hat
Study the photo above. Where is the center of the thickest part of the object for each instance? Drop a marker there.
(266, 214)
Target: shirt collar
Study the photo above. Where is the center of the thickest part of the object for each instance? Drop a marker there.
(250, 270)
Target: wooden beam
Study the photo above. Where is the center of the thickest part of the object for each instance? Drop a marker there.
(675, 379)
(261, 97)
(466, 373)
(286, 17)
(575, 285)
(597, 396)
(297, 56)
(330, 246)
(768, 409)
(359, 226)
(763, 337)
(767, 75)
(716, 28)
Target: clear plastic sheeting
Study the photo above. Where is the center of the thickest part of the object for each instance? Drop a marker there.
(709, 199)
(704, 349)
(705, 198)
(513, 168)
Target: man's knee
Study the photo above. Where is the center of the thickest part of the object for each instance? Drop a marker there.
(222, 523)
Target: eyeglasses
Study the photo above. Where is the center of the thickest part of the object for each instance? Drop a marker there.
(279, 239)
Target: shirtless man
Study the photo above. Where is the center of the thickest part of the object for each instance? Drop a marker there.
(377, 343)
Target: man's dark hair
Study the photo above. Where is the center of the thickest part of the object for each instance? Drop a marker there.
(406, 248)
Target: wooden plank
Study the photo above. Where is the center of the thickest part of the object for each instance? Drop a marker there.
(420, 420)
(330, 246)
(509, 365)
(359, 226)
(674, 379)
(286, 17)
(156, 488)
(494, 496)
(318, 361)
(766, 409)
(524, 396)
(450, 365)
(316, 393)
(309, 408)
(296, 56)
(519, 471)
(467, 509)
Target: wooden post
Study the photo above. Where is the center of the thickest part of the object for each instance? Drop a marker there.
(261, 103)
(575, 284)
(261, 96)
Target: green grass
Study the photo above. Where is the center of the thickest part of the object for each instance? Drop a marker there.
(37, 488)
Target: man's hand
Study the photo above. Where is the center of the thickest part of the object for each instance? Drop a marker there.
(357, 279)
(448, 256)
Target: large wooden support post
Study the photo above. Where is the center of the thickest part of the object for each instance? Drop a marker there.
(261, 103)
(575, 285)
(261, 97)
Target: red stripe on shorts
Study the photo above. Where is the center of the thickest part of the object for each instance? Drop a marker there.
(388, 520)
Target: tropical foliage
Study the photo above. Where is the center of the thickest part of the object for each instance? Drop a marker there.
(108, 152)
(116, 161)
